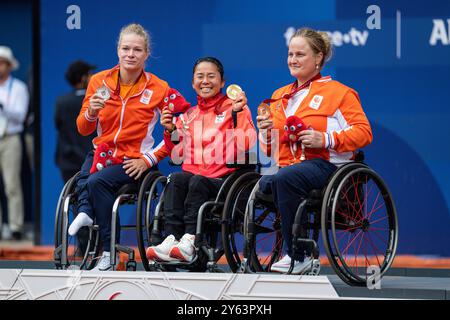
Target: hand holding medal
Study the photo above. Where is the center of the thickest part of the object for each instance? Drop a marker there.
(97, 101)
(264, 110)
(235, 93)
(263, 118)
(103, 92)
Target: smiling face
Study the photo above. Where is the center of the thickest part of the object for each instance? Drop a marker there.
(132, 52)
(302, 60)
(207, 81)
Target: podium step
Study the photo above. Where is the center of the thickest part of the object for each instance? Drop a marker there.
(21, 284)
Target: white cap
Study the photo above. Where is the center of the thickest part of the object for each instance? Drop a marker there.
(7, 54)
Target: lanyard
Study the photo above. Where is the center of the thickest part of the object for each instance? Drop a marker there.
(294, 90)
(118, 87)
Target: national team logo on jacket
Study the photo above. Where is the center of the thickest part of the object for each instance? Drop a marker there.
(220, 117)
(316, 101)
(146, 96)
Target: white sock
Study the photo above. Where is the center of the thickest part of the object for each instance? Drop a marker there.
(82, 220)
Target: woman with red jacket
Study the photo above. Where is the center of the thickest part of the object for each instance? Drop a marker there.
(337, 127)
(215, 132)
(123, 104)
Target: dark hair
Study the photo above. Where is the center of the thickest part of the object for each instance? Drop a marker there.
(77, 70)
(211, 60)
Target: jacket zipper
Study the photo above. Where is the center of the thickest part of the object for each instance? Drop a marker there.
(122, 114)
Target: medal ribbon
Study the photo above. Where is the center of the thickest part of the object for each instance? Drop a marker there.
(294, 90)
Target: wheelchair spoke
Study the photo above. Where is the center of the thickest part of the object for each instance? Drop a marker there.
(348, 245)
(344, 233)
(265, 216)
(379, 220)
(357, 252)
(381, 205)
(265, 238)
(349, 202)
(273, 254)
(343, 215)
(376, 250)
(357, 195)
(262, 229)
(373, 205)
(378, 236)
(348, 228)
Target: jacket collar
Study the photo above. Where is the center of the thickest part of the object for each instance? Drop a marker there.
(112, 79)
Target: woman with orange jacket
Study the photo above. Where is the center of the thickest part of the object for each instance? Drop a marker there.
(336, 127)
(123, 104)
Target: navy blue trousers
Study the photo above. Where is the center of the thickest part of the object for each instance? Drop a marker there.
(290, 186)
(97, 193)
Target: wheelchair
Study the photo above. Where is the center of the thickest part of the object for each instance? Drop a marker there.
(210, 245)
(68, 252)
(354, 212)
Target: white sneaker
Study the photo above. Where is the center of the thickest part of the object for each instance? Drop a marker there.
(284, 264)
(185, 249)
(161, 251)
(104, 263)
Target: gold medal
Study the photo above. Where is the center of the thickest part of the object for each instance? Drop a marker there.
(233, 90)
(103, 92)
(263, 109)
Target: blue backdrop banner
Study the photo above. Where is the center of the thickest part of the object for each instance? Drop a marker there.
(396, 54)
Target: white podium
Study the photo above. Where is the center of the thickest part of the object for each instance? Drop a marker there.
(24, 284)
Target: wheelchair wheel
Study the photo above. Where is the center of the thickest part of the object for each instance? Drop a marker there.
(149, 196)
(359, 224)
(233, 218)
(68, 188)
(262, 230)
(80, 251)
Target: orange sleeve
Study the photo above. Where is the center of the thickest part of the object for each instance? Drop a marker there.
(358, 133)
(155, 155)
(86, 123)
(161, 153)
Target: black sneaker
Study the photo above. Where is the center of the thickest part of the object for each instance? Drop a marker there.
(16, 235)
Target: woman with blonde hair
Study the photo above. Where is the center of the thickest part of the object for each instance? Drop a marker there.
(123, 104)
(336, 127)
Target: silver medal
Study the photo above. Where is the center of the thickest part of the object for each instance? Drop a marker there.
(103, 92)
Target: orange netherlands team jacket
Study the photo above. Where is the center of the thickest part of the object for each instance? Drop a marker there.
(126, 124)
(329, 107)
